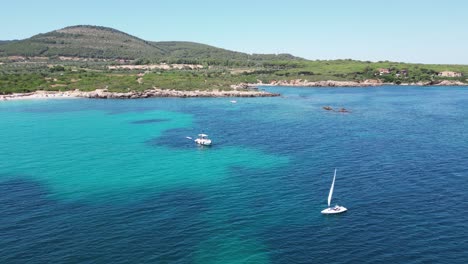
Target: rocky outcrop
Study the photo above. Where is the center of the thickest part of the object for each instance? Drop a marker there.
(450, 83)
(240, 86)
(437, 83)
(420, 83)
(341, 110)
(365, 83)
(105, 94)
(102, 94)
(329, 83)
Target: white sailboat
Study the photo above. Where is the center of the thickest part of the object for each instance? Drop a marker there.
(336, 209)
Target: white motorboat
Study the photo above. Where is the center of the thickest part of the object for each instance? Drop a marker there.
(233, 101)
(336, 209)
(203, 140)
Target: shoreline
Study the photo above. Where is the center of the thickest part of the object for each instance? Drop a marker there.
(366, 83)
(152, 93)
(239, 90)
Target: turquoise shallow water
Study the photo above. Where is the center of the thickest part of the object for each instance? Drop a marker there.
(117, 180)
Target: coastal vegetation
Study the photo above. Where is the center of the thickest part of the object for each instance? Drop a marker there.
(90, 57)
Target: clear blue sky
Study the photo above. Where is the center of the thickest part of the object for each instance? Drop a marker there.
(410, 30)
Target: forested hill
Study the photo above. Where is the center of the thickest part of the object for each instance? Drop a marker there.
(108, 43)
(176, 50)
(82, 41)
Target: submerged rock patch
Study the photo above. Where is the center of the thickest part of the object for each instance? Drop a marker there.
(149, 121)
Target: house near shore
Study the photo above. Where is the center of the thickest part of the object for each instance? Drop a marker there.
(401, 73)
(383, 71)
(450, 74)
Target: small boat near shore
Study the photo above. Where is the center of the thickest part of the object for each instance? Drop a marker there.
(203, 140)
(336, 209)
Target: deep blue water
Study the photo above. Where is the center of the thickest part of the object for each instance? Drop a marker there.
(117, 181)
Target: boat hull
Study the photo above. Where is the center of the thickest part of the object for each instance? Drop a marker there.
(334, 210)
(204, 142)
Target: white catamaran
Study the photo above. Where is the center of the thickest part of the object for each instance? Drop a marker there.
(336, 209)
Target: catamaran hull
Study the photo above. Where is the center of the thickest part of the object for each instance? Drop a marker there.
(334, 210)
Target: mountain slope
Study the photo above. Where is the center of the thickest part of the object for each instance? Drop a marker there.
(197, 51)
(83, 41)
(102, 42)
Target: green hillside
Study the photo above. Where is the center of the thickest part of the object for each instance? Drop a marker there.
(190, 52)
(108, 43)
(91, 52)
(353, 70)
(83, 41)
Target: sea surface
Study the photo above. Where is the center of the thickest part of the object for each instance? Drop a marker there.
(118, 181)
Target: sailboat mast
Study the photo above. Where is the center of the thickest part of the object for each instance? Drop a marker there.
(331, 189)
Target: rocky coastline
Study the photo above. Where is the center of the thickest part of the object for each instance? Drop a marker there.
(105, 94)
(238, 90)
(330, 83)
